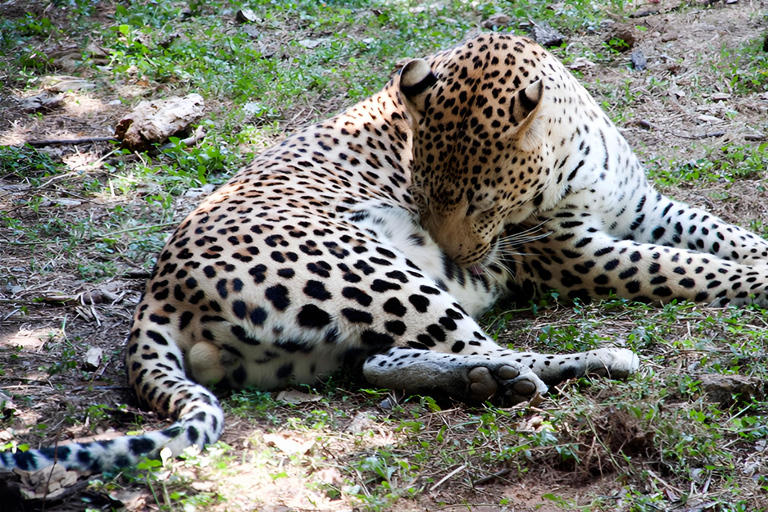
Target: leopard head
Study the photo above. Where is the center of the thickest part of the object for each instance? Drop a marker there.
(479, 158)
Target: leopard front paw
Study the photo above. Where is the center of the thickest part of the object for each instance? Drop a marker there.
(504, 382)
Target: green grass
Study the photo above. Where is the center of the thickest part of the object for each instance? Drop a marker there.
(729, 162)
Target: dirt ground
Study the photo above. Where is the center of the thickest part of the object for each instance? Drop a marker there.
(50, 318)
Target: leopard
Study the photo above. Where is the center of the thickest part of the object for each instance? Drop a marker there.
(371, 242)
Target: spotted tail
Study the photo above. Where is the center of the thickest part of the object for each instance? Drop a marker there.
(200, 420)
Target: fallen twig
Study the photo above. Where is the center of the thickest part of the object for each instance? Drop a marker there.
(642, 123)
(59, 142)
(489, 478)
(449, 475)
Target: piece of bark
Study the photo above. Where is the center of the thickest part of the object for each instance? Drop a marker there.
(42, 101)
(153, 122)
(545, 35)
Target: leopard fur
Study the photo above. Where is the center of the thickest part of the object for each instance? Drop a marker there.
(377, 236)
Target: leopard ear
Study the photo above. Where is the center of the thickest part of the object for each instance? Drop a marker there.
(523, 110)
(416, 77)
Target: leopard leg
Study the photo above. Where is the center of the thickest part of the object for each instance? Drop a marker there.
(580, 261)
(496, 373)
(662, 221)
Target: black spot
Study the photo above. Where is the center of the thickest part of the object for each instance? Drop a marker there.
(258, 272)
(285, 371)
(320, 269)
(278, 296)
(314, 317)
(258, 315)
(381, 286)
(393, 306)
(157, 338)
(140, 445)
(221, 287)
(628, 273)
(356, 294)
(84, 457)
(239, 375)
(160, 320)
(397, 276)
(375, 339)
(426, 340)
(420, 302)
(357, 316)
(286, 273)
(544, 274)
(316, 290)
(192, 434)
(436, 332)
(242, 335)
(448, 323)
(395, 327)
(239, 309)
(701, 297)
(457, 347)
(292, 346)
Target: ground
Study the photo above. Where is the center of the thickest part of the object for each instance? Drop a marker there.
(80, 225)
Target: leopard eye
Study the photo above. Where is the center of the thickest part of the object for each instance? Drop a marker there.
(481, 204)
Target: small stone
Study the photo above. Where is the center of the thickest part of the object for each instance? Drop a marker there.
(251, 31)
(360, 423)
(720, 96)
(92, 359)
(639, 62)
(312, 43)
(727, 390)
(245, 16)
(709, 119)
(497, 20)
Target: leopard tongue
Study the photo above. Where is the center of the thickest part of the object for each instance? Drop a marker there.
(476, 270)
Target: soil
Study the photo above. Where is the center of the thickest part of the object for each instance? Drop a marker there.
(48, 319)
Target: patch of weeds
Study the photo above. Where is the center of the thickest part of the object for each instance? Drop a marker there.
(692, 172)
(383, 478)
(741, 161)
(171, 489)
(729, 162)
(745, 68)
(193, 165)
(67, 357)
(248, 403)
(26, 162)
